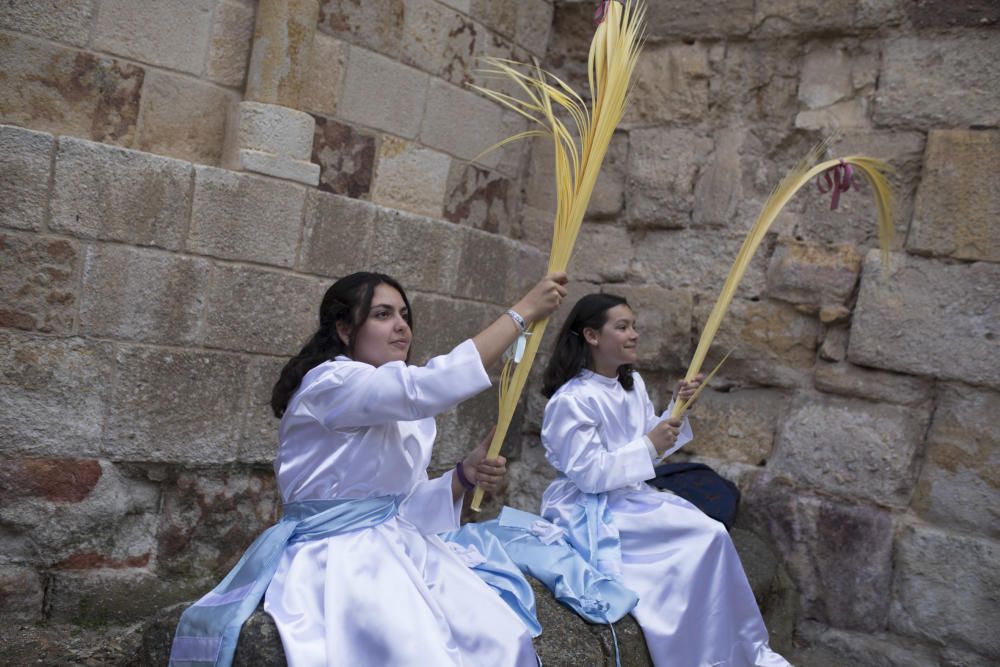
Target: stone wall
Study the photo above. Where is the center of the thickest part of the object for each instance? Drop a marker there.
(149, 297)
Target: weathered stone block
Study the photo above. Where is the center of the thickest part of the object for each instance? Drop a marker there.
(25, 157)
(322, 88)
(430, 34)
(929, 318)
(114, 596)
(528, 266)
(197, 539)
(460, 430)
(533, 23)
(834, 346)
(608, 197)
(21, 594)
(79, 94)
(337, 235)
(718, 190)
(603, 253)
(229, 43)
(826, 77)
(664, 323)
(139, 295)
(737, 425)
(944, 81)
(697, 260)
(480, 198)
(462, 123)
(712, 18)
(440, 323)
(662, 167)
(812, 275)
(274, 129)
(52, 395)
(838, 554)
(782, 17)
(529, 476)
(830, 647)
(67, 21)
(419, 252)
(367, 78)
(183, 118)
(485, 265)
(959, 483)
(750, 82)
(40, 287)
(944, 589)
(848, 380)
(173, 405)
(259, 442)
(59, 480)
(346, 158)
(410, 178)
(172, 34)
(938, 13)
(239, 216)
(772, 343)
(958, 202)
(670, 84)
(374, 25)
(852, 447)
(267, 312)
(499, 16)
(116, 194)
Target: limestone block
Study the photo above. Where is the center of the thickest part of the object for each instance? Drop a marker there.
(239, 216)
(928, 318)
(172, 34)
(410, 177)
(834, 346)
(461, 429)
(40, 282)
(21, 594)
(945, 81)
(377, 26)
(944, 589)
(420, 253)
(107, 522)
(959, 483)
(958, 202)
(484, 266)
(662, 167)
(772, 343)
(849, 380)
(346, 158)
(854, 220)
(664, 322)
(337, 235)
(831, 647)
(67, 21)
(826, 76)
(812, 275)
(528, 266)
(81, 94)
(323, 85)
(114, 596)
(480, 198)
(937, 13)
(671, 85)
(368, 77)
(737, 425)
(259, 441)
(53, 394)
(197, 538)
(718, 190)
(229, 43)
(602, 253)
(529, 476)
(116, 194)
(500, 16)
(783, 17)
(281, 51)
(533, 23)
(278, 166)
(852, 447)
(461, 123)
(712, 18)
(608, 197)
(275, 129)
(440, 323)
(429, 29)
(748, 82)
(142, 295)
(698, 260)
(846, 115)
(25, 157)
(262, 311)
(175, 405)
(838, 554)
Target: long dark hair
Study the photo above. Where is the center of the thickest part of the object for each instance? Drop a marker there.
(348, 300)
(571, 354)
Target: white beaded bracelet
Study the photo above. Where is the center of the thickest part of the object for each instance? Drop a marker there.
(518, 320)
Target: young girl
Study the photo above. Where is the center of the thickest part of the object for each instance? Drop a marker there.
(601, 433)
(354, 572)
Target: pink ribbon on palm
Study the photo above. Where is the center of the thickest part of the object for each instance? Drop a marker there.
(837, 179)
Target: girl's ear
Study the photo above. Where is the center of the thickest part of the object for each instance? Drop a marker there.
(344, 333)
(590, 335)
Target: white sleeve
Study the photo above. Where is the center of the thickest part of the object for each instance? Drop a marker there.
(684, 434)
(573, 445)
(431, 507)
(353, 394)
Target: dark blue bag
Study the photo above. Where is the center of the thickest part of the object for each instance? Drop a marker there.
(701, 486)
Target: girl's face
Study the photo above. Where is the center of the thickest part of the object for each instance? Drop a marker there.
(384, 336)
(614, 344)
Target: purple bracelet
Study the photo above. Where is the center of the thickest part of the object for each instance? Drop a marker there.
(462, 479)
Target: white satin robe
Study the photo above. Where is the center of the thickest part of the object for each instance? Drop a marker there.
(394, 594)
(696, 608)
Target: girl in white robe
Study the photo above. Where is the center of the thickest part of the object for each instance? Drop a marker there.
(601, 433)
(357, 422)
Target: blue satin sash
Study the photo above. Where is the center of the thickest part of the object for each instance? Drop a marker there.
(210, 629)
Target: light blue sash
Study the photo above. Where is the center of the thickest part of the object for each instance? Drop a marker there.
(209, 630)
